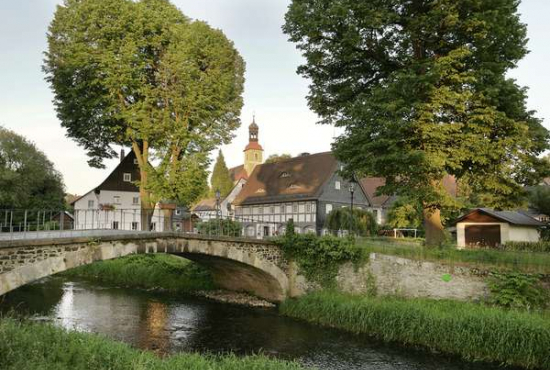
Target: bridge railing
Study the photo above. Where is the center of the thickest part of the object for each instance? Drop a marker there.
(34, 224)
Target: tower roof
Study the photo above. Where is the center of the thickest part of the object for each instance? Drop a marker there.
(253, 125)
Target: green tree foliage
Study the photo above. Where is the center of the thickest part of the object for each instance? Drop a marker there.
(277, 158)
(28, 180)
(421, 90)
(221, 180)
(141, 74)
(405, 213)
(539, 199)
(221, 227)
(363, 223)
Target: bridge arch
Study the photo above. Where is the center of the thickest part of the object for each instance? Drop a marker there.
(256, 267)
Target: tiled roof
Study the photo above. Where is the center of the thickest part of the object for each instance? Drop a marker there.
(238, 173)
(298, 178)
(208, 204)
(253, 145)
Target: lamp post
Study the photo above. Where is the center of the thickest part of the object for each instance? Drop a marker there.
(218, 210)
(351, 191)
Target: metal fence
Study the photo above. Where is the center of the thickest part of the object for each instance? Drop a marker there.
(34, 224)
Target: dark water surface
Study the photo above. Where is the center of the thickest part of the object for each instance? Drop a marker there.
(168, 324)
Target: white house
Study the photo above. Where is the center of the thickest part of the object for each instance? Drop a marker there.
(487, 227)
(115, 203)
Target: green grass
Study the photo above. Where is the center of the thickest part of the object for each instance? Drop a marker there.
(483, 259)
(147, 271)
(33, 346)
(473, 332)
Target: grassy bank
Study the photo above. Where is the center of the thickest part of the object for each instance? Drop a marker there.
(485, 259)
(147, 271)
(471, 331)
(25, 345)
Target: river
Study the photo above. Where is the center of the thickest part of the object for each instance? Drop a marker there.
(168, 324)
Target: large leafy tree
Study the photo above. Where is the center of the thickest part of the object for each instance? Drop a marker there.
(273, 158)
(221, 180)
(141, 74)
(420, 87)
(28, 180)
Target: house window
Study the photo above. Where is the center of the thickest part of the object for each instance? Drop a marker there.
(261, 210)
(153, 226)
(337, 185)
(178, 212)
(328, 208)
(272, 209)
(285, 175)
(127, 177)
(116, 199)
(308, 208)
(134, 225)
(115, 225)
(90, 204)
(375, 213)
(294, 208)
(135, 200)
(136, 161)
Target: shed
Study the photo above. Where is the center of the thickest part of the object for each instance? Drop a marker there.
(490, 228)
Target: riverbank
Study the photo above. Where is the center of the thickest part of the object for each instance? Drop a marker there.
(147, 271)
(28, 345)
(473, 332)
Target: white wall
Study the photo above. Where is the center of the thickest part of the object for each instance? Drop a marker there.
(507, 232)
(523, 234)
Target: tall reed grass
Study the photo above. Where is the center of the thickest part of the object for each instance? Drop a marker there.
(33, 346)
(147, 271)
(471, 331)
(483, 259)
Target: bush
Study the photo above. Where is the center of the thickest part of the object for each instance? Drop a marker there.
(363, 222)
(319, 258)
(516, 290)
(474, 332)
(221, 227)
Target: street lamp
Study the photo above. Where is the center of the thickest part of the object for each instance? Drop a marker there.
(351, 191)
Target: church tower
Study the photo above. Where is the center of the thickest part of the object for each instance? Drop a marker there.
(253, 153)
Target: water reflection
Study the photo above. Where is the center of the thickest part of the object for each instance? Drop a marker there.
(167, 324)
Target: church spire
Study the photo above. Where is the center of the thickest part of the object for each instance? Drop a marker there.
(253, 153)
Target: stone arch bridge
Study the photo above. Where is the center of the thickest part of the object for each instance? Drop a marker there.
(254, 266)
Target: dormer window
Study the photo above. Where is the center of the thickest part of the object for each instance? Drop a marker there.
(285, 175)
(127, 177)
(136, 161)
(293, 186)
(260, 191)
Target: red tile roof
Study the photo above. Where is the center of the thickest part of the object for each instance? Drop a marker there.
(292, 179)
(253, 145)
(238, 173)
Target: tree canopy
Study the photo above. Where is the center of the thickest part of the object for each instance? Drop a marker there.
(28, 180)
(539, 199)
(141, 74)
(363, 222)
(421, 89)
(277, 157)
(221, 180)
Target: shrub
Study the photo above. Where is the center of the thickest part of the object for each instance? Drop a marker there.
(363, 222)
(221, 227)
(516, 290)
(319, 258)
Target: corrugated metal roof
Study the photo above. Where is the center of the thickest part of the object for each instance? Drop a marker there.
(512, 217)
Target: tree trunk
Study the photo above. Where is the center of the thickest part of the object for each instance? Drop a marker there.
(147, 206)
(435, 233)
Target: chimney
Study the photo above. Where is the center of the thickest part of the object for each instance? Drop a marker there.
(122, 154)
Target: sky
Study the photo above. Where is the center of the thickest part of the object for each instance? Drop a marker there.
(273, 90)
